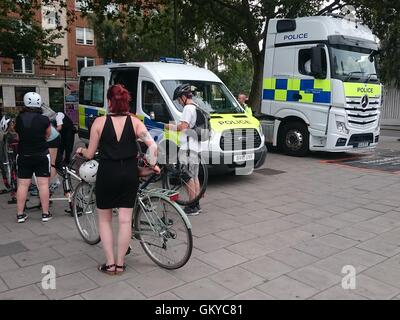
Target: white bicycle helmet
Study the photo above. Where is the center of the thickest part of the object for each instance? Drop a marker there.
(32, 100)
(4, 123)
(88, 171)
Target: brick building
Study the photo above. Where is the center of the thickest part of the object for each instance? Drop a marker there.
(76, 49)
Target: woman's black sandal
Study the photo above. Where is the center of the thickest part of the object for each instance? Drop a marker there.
(106, 269)
(120, 267)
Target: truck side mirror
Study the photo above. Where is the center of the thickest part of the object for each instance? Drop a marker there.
(318, 62)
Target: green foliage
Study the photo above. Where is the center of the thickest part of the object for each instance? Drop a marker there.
(21, 34)
(383, 18)
(238, 75)
(141, 37)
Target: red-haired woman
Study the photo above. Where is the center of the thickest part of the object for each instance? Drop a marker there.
(117, 178)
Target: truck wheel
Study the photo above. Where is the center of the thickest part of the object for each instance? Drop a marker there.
(295, 138)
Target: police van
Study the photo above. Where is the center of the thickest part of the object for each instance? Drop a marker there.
(236, 138)
(320, 90)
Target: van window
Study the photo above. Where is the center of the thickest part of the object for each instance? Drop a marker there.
(305, 62)
(128, 77)
(152, 101)
(91, 91)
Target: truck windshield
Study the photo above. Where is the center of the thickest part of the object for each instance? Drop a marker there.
(213, 97)
(353, 64)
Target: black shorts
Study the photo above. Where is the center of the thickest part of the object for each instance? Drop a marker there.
(54, 144)
(29, 165)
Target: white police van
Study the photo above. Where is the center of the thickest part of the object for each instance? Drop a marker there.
(236, 138)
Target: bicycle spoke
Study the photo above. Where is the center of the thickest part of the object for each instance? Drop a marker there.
(167, 240)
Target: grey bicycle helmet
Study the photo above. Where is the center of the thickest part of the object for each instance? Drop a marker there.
(182, 90)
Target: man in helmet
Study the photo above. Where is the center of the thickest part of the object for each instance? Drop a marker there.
(33, 154)
(189, 145)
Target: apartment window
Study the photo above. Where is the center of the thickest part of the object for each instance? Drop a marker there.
(56, 51)
(84, 36)
(84, 62)
(19, 94)
(51, 18)
(81, 5)
(23, 65)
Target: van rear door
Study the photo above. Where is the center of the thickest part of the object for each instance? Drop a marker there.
(128, 77)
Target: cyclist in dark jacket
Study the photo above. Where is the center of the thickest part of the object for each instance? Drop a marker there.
(33, 154)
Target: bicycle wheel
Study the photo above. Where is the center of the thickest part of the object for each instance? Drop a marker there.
(164, 234)
(85, 214)
(174, 178)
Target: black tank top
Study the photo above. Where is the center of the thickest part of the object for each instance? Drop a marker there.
(112, 149)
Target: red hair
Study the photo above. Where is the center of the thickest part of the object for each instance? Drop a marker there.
(119, 98)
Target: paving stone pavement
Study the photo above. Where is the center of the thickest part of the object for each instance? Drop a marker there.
(282, 236)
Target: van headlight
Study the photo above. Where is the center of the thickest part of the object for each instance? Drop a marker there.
(341, 125)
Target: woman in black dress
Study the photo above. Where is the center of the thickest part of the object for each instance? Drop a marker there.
(117, 179)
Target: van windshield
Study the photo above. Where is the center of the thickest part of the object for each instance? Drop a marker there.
(213, 97)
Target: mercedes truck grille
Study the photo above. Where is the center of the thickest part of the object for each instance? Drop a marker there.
(360, 113)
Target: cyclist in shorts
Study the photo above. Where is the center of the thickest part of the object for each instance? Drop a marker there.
(33, 154)
(53, 143)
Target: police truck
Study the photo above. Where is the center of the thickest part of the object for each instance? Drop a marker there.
(321, 91)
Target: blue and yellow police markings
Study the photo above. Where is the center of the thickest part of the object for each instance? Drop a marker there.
(299, 90)
(86, 114)
(156, 129)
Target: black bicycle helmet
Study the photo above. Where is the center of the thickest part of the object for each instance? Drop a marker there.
(183, 89)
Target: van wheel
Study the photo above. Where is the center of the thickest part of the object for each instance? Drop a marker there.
(295, 138)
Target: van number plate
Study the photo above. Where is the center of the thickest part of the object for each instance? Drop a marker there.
(363, 144)
(243, 157)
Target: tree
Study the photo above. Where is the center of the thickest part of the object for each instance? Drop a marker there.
(21, 31)
(22, 34)
(145, 35)
(236, 22)
(383, 18)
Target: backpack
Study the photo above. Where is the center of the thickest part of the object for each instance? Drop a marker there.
(202, 127)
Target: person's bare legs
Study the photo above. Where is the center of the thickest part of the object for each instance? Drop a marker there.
(197, 186)
(106, 234)
(191, 189)
(22, 192)
(124, 233)
(44, 194)
(53, 157)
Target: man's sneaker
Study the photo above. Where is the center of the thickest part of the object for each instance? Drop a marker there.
(197, 206)
(21, 218)
(46, 216)
(191, 211)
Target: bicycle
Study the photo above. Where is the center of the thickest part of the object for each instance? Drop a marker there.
(175, 177)
(66, 172)
(9, 166)
(158, 222)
